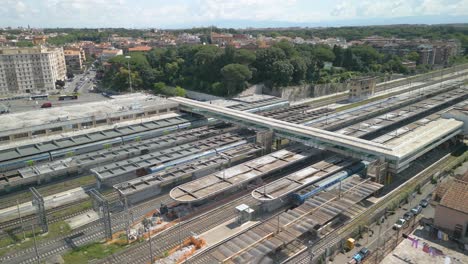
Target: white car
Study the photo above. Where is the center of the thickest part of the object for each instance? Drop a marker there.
(399, 224)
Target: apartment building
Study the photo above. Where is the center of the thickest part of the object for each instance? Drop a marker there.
(74, 61)
(110, 53)
(361, 88)
(28, 70)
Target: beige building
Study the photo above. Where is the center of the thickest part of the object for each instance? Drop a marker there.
(110, 53)
(451, 214)
(74, 61)
(361, 88)
(25, 70)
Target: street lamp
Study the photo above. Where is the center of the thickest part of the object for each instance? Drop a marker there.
(129, 75)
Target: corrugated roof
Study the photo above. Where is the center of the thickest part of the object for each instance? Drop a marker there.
(456, 196)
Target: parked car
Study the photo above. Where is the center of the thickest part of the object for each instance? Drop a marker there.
(361, 255)
(416, 210)
(408, 215)
(424, 203)
(399, 224)
(46, 105)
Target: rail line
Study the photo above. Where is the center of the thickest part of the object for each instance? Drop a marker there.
(338, 234)
(83, 235)
(171, 237)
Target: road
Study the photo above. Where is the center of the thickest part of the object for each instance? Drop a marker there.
(82, 82)
(385, 231)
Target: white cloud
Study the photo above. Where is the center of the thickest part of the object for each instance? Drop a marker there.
(162, 13)
(399, 8)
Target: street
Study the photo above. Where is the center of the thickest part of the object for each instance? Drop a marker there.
(384, 233)
(83, 83)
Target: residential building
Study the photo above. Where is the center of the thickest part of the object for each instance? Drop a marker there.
(74, 61)
(361, 87)
(39, 40)
(221, 39)
(409, 64)
(426, 54)
(430, 51)
(186, 38)
(140, 49)
(36, 69)
(110, 53)
(451, 214)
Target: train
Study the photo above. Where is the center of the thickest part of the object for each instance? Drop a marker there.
(299, 198)
(98, 145)
(190, 158)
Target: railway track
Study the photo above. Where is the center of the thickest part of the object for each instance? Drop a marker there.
(88, 233)
(336, 99)
(170, 238)
(15, 224)
(340, 233)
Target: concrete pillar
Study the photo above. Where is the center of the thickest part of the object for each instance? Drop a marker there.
(265, 139)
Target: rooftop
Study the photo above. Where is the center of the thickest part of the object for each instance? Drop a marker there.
(302, 178)
(26, 50)
(423, 136)
(111, 107)
(70, 139)
(140, 48)
(456, 197)
(71, 52)
(213, 184)
(177, 173)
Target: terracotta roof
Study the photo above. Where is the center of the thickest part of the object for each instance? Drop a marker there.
(140, 48)
(456, 196)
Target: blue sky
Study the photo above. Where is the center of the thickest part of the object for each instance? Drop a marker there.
(234, 13)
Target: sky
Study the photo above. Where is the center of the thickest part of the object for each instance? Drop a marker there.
(227, 13)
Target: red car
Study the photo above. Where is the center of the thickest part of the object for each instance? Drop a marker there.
(46, 105)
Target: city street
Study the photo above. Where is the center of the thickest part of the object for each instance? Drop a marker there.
(385, 232)
(82, 82)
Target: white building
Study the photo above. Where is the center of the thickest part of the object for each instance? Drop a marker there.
(110, 53)
(24, 70)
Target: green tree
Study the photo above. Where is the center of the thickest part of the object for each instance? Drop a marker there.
(159, 87)
(243, 56)
(179, 91)
(264, 62)
(235, 77)
(282, 72)
(300, 69)
(413, 56)
(324, 53)
(339, 56)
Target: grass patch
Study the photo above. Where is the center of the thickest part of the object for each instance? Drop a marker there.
(89, 252)
(25, 196)
(88, 204)
(14, 242)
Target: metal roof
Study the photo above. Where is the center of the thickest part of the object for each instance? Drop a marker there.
(386, 120)
(302, 178)
(213, 184)
(264, 239)
(163, 156)
(37, 148)
(180, 172)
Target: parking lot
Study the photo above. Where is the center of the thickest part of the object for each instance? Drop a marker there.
(81, 84)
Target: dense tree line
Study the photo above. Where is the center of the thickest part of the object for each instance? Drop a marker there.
(227, 71)
(435, 32)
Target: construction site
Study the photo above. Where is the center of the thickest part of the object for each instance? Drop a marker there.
(253, 179)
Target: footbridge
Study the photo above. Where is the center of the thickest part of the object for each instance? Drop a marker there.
(350, 146)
